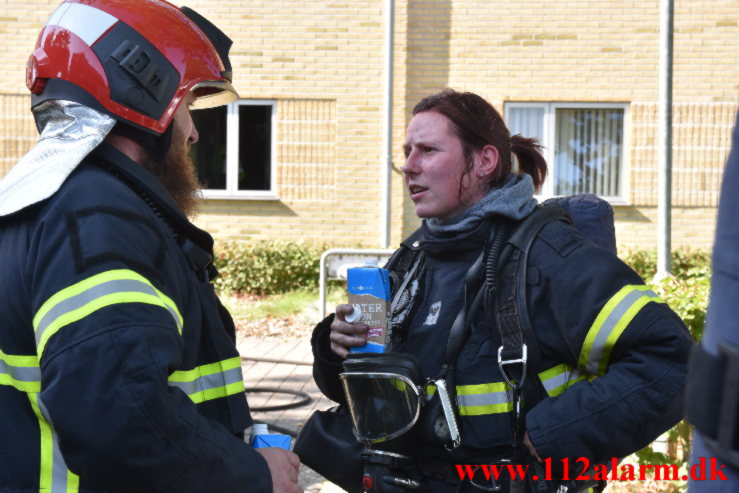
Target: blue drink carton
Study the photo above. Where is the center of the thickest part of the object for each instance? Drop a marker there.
(272, 440)
(369, 294)
(262, 438)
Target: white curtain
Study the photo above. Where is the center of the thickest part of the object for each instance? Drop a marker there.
(588, 151)
(527, 121)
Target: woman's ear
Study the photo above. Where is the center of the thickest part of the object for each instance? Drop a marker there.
(488, 160)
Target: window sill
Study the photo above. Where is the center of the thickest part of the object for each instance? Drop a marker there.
(211, 195)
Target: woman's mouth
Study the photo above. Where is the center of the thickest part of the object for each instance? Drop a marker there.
(416, 191)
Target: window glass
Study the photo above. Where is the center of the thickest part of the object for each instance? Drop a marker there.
(233, 157)
(582, 143)
(588, 148)
(209, 153)
(255, 146)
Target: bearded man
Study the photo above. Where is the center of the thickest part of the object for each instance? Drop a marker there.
(118, 369)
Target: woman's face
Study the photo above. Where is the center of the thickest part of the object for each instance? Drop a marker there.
(434, 168)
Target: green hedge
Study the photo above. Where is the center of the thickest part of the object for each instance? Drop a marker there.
(688, 289)
(262, 268)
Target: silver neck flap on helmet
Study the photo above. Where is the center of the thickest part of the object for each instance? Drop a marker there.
(68, 131)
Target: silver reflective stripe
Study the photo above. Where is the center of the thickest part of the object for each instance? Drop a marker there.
(482, 399)
(89, 295)
(55, 477)
(208, 382)
(558, 379)
(20, 373)
(609, 324)
(59, 467)
(599, 343)
(88, 23)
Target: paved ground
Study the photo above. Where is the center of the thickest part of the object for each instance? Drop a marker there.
(271, 363)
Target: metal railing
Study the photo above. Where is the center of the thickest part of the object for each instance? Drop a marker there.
(336, 261)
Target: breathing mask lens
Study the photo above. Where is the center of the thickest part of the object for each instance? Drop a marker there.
(383, 395)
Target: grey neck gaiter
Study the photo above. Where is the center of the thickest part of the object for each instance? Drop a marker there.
(514, 199)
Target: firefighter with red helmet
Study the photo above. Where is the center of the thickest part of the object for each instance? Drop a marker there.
(118, 369)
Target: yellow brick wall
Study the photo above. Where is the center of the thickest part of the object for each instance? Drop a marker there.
(17, 129)
(322, 62)
(294, 52)
(692, 227)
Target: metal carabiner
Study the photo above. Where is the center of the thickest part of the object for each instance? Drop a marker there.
(522, 361)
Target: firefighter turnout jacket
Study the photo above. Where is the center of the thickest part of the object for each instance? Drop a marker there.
(118, 369)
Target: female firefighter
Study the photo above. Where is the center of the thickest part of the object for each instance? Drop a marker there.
(606, 364)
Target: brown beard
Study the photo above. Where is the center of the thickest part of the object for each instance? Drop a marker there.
(177, 173)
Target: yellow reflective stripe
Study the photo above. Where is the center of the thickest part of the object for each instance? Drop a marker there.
(559, 378)
(20, 385)
(45, 446)
(54, 477)
(610, 323)
(209, 369)
(211, 381)
(554, 371)
(621, 326)
(89, 295)
(218, 392)
(481, 388)
(486, 409)
(484, 398)
(73, 482)
(19, 360)
(479, 399)
(21, 372)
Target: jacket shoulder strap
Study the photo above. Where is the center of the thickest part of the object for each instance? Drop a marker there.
(510, 300)
(519, 359)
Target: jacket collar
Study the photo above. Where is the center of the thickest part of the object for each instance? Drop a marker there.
(144, 183)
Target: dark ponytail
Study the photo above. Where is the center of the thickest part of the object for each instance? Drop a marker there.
(530, 160)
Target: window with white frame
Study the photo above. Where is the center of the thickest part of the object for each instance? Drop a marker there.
(583, 144)
(235, 156)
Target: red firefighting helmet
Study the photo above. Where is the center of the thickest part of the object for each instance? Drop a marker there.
(133, 59)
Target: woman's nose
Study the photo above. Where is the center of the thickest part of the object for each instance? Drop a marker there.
(410, 166)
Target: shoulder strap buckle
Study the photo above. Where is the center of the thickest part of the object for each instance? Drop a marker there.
(503, 364)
